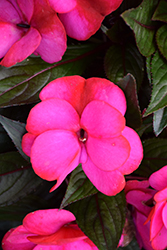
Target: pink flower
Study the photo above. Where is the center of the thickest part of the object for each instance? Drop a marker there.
(86, 18)
(81, 121)
(158, 215)
(50, 229)
(140, 196)
(30, 26)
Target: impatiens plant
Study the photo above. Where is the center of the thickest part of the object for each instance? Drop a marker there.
(47, 229)
(82, 121)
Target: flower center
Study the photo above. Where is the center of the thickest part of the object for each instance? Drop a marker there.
(83, 136)
(23, 25)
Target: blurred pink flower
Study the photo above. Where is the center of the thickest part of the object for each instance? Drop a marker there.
(158, 215)
(50, 229)
(82, 121)
(140, 196)
(30, 26)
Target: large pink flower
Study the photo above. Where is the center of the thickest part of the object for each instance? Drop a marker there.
(140, 196)
(158, 215)
(51, 229)
(30, 26)
(82, 121)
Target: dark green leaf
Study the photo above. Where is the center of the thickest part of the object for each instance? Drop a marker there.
(161, 12)
(101, 218)
(161, 38)
(22, 83)
(155, 156)
(139, 20)
(133, 114)
(15, 130)
(160, 120)
(17, 178)
(79, 187)
(158, 68)
(120, 60)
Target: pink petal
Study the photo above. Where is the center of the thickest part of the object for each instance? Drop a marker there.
(27, 142)
(27, 8)
(69, 88)
(62, 6)
(136, 152)
(8, 13)
(9, 35)
(109, 183)
(156, 220)
(105, 7)
(53, 43)
(78, 245)
(52, 114)
(48, 247)
(17, 239)
(104, 90)
(159, 242)
(164, 215)
(46, 222)
(108, 154)
(22, 48)
(82, 22)
(55, 154)
(158, 179)
(137, 199)
(137, 185)
(161, 195)
(65, 235)
(101, 120)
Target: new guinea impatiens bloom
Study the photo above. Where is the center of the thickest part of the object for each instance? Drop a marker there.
(158, 215)
(140, 196)
(50, 229)
(30, 26)
(82, 121)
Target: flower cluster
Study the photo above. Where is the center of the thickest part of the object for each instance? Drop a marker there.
(41, 26)
(82, 121)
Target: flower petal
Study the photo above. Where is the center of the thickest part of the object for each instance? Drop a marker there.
(48, 221)
(137, 185)
(48, 247)
(108, 154)
(88, 21)
(105, 90)
(105, 7)
(101, 120)
(55, 154)
(69, 88)
(27, 142)
(109, 183)
(52, 114)
(156, 220)
(161, 195)
(164, 215)
(78, 245)
(27, 8)
(159, 242)
(136, 151)
(8, 13)
(17, 239)
(62, 6)
(53, 43)
(22, 48)
(158, 179)
(9, 35)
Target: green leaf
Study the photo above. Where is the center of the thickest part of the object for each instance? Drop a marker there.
(160, 13)
(155, 156)
(17, 178)
(22, 83)
(161, 38)
(158, 68)
(101, 218)
(79, 187)
(160, 120)
(139, 20)
(15, 130)
(133, 114)
(120, 60)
